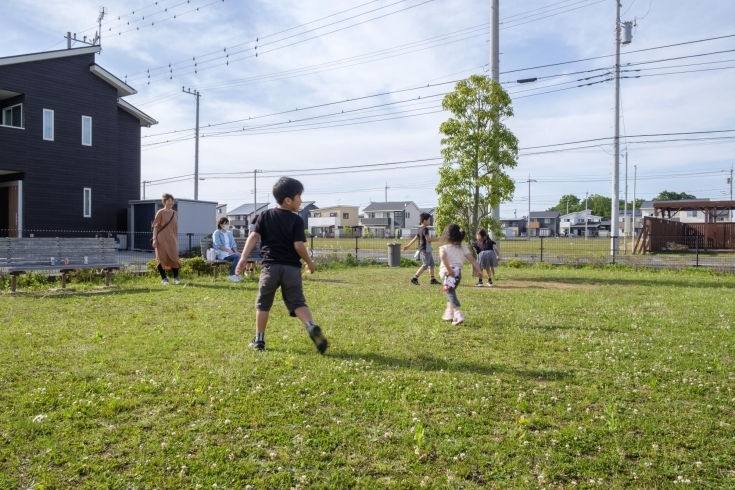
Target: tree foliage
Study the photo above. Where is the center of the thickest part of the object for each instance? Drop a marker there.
(673, 196)
(597, 205)
(477, 148)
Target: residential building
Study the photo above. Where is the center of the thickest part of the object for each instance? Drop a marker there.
(70, 143)
(573, 224)
(432, 213)
(241, 217)
(331, 221)
(544, 223)
(387, 218)
(305, 211)
(514, 228)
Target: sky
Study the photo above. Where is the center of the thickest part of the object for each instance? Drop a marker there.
(346, 56)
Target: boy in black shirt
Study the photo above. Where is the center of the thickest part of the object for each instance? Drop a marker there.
(281, 235)
(427, 258)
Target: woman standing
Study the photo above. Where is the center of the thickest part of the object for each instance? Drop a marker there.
(166, 240)
(487, 256)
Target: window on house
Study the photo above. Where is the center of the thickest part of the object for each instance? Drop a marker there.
(371, 215)
(48, 125)
(332, 215)
(13, 116)
(86, 131)
(408, 215)
(691, 214)
(547, 221)
(87, 202)
(317, 215)
(345, 215)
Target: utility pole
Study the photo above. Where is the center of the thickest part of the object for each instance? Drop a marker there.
(623, 35)
(729, 181)
(386, 191)
(615, 211)
(255, 190)
(625, 208)
(586, 219)
(635, 181)
(196, 145)
(528, 231)
(495, 74)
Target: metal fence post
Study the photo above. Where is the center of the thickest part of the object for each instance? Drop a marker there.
(356, 248)
(616, 240)
(189, 235)
(697, 250)
(542, 249)
(312, 245)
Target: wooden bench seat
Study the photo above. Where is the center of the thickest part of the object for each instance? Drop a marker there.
(22, 255)
(240, 242)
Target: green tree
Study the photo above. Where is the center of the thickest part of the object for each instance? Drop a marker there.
(568, 202)
(598, 205)
(673, 196)
(477, 149)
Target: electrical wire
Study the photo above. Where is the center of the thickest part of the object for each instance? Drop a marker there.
(551, 15)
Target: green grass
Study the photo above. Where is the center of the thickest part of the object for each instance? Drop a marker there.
(561, 378)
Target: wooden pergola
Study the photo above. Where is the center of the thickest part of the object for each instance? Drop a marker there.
(661, 233)
(711, 209)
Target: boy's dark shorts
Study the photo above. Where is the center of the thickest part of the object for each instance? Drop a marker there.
(288, 278)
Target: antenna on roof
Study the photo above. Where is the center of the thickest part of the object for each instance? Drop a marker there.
(98, 36)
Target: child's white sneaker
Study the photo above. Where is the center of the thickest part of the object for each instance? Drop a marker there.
(234, 278)
(448, 315)
(458, 318)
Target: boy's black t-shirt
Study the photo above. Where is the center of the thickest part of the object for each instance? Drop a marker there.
(279, 229)
(423, 233)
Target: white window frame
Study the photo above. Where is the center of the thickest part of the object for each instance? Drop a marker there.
(11, 117)
(87, 212)
(90, 130)
(51, 112)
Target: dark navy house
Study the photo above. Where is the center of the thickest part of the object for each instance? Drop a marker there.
(69, 144)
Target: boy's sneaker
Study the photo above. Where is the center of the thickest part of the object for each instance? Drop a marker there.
(320, 341)
(177, 280)
(257, 345)
(415, 281)
(434, 281)
(448, 315)
(234, 278)
(165, 282)
(479, 283)
(458, 318)
(490, 283)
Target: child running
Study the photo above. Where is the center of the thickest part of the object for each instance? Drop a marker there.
(281, 234)
(452, 256)
(427, 259)
(487, 256)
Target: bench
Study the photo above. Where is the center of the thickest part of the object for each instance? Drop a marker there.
(206, 244)
(21, 255)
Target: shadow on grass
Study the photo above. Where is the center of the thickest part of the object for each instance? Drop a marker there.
(685, 281)
(425, 362)
(89, 292)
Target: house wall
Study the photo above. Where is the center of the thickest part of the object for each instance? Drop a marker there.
(352, 221)
(56, 172)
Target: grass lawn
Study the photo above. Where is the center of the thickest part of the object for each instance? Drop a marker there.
(560, 378)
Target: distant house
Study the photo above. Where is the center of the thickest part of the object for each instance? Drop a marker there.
(513, 228)
(241, 217)
(69, 143)
(431, 212)
(331, 221)
(386, 218)
(544, 223)
(221, 211)
(305, 211)
(575, 224)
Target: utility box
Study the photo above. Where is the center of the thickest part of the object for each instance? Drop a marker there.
(394, 254)
(195, 217)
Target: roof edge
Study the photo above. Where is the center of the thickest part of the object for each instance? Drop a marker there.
(48, 55)
(123, 89)
(145, 119)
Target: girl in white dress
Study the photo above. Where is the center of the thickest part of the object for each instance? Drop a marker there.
(452, 257)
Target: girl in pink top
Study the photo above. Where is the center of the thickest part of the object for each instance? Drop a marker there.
(452, 257)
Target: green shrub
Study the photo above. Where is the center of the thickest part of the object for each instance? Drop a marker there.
(516, 263)
(406, 262)
(198, 265)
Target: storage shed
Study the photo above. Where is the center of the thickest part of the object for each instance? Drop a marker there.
(195, 217)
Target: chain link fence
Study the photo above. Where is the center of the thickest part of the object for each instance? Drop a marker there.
(134, 250)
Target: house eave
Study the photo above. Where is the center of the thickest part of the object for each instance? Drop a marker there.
(123, 89)
(145, 119)
(48, 55)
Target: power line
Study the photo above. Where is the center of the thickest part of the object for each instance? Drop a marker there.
(175, 16)
(551, 15)
(227, 56)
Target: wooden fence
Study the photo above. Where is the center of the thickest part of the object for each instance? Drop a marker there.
(660, 235)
